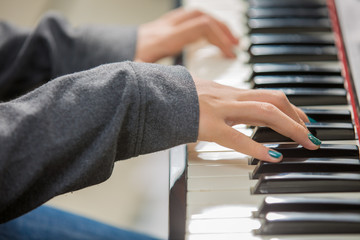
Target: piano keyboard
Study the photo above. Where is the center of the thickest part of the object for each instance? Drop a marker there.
(286, 45)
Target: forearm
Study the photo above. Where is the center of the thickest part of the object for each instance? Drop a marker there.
(67, 134)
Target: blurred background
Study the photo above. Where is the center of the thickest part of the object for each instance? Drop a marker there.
(135, 197)
(78, 12)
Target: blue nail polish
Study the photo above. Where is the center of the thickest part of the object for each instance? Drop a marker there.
(313, 139)
(312, 120)
(274, 154)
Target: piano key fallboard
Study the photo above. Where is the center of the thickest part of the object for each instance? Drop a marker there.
(289, 45)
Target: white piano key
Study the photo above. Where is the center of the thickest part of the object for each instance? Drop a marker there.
(221, 69)
(218, 183)
(204, 146)
(226, 225)
(245, 197)
(250, 236)
(210, 158)
(351, 142)
(223, 236)
(219, 170)
(224, 197)
(220, 211)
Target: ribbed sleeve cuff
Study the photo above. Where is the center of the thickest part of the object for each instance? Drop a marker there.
(170, 106)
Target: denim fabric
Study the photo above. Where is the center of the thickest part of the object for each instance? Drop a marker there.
(52, 224)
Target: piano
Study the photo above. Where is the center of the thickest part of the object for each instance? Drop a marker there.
(310, 49)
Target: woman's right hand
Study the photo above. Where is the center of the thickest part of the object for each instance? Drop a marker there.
(221, 107)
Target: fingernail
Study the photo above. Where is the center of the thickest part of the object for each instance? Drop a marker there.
(274, 154)
(312, 120)
(313, 139)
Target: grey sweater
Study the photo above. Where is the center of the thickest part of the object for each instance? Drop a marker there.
(65, 134)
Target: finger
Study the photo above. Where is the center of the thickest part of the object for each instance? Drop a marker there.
(301, 114)
(266, 114)
(181, 15)
(227, 31)
(187, 15)
(205, 27)
(233, 139)
(216, 35)
(276, 98)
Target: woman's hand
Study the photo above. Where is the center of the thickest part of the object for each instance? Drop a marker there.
(168, 35)
(222, 107)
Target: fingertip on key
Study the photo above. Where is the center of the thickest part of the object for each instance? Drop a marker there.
(314, 139)
(276, 156)
(312, 120)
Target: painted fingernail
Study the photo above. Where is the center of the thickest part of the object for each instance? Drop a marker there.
(313, 139)
(312, 120)
(274, 154)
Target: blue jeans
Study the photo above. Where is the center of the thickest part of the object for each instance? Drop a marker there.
(49, 223)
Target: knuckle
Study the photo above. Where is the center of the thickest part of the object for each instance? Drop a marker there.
(206, 21)
(280, 97)
(295, 131)
(299, 129)
(196, 12)
(280, 94)
(267, 111)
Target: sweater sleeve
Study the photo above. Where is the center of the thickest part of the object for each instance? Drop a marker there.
(67, 134)
(54, 48)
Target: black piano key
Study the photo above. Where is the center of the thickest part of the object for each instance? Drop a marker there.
(254, 12)
(278, 223)
(287, 3)
(328, 115)
(315, 96)
(307, 183)
(294, 68)
(291, 81)
(307, 204)
(323, 131)
(288, 25)
(291, 53)
(291, 165)
(295, 38)
(325, 150)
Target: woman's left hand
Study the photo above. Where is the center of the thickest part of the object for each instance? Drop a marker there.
(168, 35)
